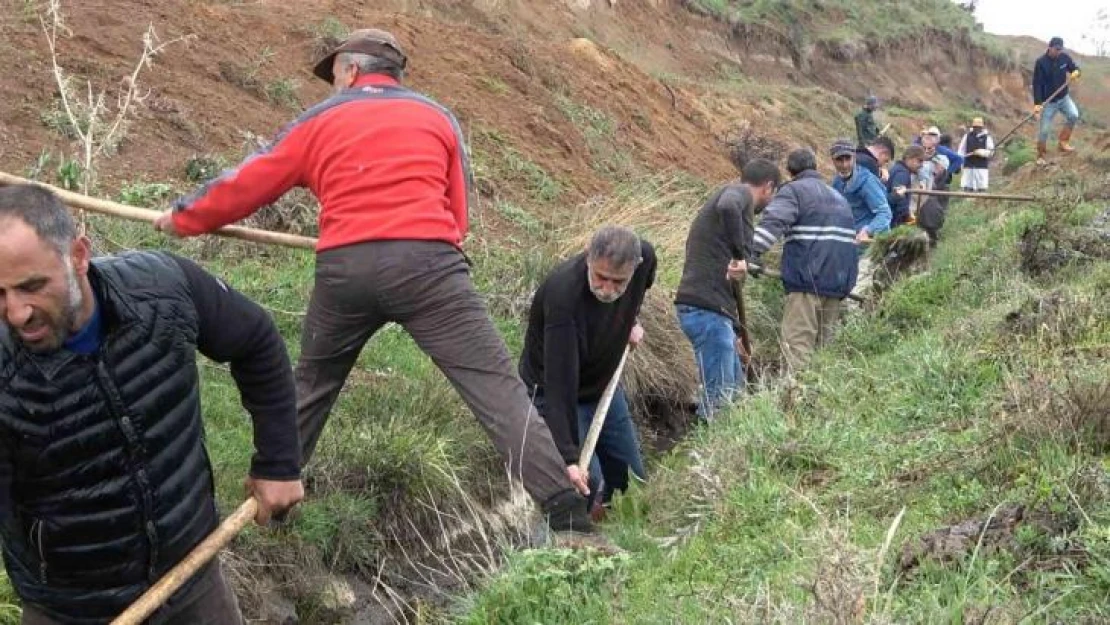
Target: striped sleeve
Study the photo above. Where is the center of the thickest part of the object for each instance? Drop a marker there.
(781, 213)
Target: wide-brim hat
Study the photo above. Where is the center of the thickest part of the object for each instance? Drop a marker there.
(978, 121)
(370, 41)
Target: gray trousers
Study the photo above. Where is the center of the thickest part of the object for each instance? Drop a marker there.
(425, 287)
(210, 601)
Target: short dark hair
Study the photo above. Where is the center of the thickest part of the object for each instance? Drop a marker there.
(40, 208)
(617, 244)
(799, 160)
(884, 142)
(760, 171)
(945, 140)
(914, 151)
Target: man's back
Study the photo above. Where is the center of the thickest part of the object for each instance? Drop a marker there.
(385, 163)
(720, 232)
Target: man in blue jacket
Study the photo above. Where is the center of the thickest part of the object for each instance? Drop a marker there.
(1055, 69)
(819, 259)
(865, 193)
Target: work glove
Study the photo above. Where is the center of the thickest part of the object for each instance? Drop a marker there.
(1073, 76)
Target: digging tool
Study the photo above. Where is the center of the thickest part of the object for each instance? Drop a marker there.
(1001, 142)
(157, 594)
(771, 273)
(974, 196)
(883, 131)
(745, 336)
(594, 432)
(133, 213)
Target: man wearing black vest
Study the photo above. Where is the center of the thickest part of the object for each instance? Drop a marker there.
(977, 148)
(105, 483)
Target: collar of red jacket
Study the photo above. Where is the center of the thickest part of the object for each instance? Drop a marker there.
(376, 80)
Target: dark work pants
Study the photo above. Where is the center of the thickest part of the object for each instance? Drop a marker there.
(210, 601)
(425, 287)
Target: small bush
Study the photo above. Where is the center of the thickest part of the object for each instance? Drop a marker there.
(145, 194)
(203, 167)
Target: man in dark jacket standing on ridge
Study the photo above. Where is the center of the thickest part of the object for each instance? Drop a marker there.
(867, 130)
(104, 480)
(819, 258)
(720, 237)
(1054, 70)
(582, 317)
(390, 169)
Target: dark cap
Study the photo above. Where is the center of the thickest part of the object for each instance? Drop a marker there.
(1056, 42)
(842, 147)
(370, 41)
(871, 101)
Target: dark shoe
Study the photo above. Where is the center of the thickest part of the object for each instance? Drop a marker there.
(597, 512)
(567, 512)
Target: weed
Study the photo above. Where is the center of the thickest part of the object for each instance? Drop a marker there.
(203, 167)
(145, 194)
(283, 92)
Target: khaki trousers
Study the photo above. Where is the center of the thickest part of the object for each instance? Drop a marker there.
(808, 321)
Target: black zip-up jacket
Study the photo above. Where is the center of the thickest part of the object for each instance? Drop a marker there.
(1049, 74)
(104, 480)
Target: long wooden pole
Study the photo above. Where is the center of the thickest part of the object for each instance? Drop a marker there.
(1001, 142)
(974, 196)
(599, 416)
(133, 213)
(157, 594)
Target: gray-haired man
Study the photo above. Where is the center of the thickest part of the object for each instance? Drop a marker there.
(582, 317)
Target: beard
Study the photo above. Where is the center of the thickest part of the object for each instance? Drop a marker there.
(605, 298)
(61, 325)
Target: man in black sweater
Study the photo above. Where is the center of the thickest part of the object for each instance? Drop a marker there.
(104, 480)
(582, 317)
(720, 236)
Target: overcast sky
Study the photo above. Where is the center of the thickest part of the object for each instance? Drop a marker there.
(1043, 19)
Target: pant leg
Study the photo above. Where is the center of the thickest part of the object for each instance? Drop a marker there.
(714, 342)
(1070, 110)
(595, 478)
(828, 317)
(32, 616)
(799, 329)
(618, 448)
(342, 316)
(1048, 111)
(212, 602)
(428, 291)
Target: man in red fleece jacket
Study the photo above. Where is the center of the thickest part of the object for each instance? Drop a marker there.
(389, 167)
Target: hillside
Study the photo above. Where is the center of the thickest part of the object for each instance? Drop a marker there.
(581, 112)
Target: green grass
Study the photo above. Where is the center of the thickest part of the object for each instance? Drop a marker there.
(936, 405)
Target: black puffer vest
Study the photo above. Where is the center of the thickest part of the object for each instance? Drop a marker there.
(976, 141)
(110, 482)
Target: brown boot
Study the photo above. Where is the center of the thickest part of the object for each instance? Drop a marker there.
(1042, 150)
(1065, 136)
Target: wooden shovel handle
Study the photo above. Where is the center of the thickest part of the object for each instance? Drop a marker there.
(157, 594)
(599, 416)
(134, 213)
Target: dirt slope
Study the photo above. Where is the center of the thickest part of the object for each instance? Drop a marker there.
(528, 78)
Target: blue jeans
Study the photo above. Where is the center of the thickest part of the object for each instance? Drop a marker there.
(714, 341)
(618, 449)
(1064, 105)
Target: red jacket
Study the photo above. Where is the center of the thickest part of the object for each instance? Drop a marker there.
(384, 162)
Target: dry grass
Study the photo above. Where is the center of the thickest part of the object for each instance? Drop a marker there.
(659, 209)
(1068, 409)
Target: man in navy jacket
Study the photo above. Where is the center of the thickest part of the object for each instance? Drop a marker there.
(1054, 70)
